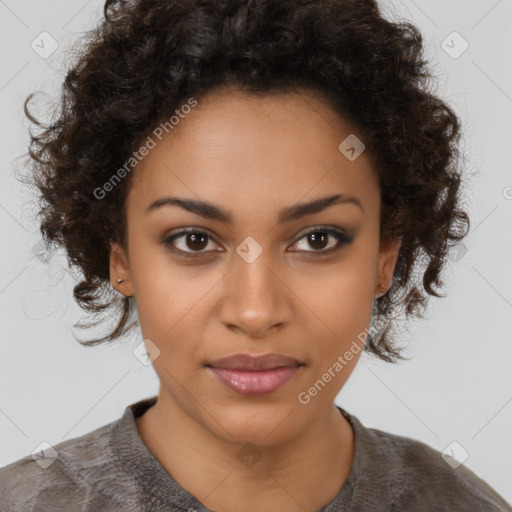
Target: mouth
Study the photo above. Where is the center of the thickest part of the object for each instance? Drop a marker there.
(250, 375)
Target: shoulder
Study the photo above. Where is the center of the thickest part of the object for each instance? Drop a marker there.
(62, 477)
(415, 476)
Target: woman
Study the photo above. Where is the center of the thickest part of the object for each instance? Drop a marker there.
(255, 180)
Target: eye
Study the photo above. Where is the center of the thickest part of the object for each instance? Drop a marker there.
(318, 237)
(193, 241)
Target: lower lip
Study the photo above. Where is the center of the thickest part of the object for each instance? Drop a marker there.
(255, 382)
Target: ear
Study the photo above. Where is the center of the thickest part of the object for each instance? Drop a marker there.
(388, 256)
(120, 269)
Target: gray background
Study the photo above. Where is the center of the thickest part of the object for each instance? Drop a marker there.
(458, 385)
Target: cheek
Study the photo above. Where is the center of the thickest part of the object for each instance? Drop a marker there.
(162, 291)
(339, 309)
(170, 305)
(340, 297)
(160, 303)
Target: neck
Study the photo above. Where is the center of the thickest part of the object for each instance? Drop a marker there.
(303, 473)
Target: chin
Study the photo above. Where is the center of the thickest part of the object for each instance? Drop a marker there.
(260, 423)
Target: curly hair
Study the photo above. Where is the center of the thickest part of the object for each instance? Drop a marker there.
(145, 58)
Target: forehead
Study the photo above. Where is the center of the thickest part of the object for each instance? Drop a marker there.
(239, 148)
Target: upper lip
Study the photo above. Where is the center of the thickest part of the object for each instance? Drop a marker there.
(255, 363)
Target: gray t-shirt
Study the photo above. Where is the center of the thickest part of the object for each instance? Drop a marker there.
(111, 469)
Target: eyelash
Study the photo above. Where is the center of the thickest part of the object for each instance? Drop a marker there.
(341, 237)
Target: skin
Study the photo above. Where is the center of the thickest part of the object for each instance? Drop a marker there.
(253, 156)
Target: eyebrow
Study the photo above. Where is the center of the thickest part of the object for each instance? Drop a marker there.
(287, 214)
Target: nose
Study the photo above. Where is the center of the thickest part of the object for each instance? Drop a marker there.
(255, 298)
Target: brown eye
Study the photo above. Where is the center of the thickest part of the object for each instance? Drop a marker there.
(318, 239)
(196, 240)
(193, 242)
(190, 241)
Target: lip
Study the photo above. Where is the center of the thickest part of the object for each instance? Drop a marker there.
(247, 362)
(255, 382)
(255, 375)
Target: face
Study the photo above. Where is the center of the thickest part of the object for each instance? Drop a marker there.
(266, 281)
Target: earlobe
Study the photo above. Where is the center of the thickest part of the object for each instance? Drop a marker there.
(120, 270)
(388, 256)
